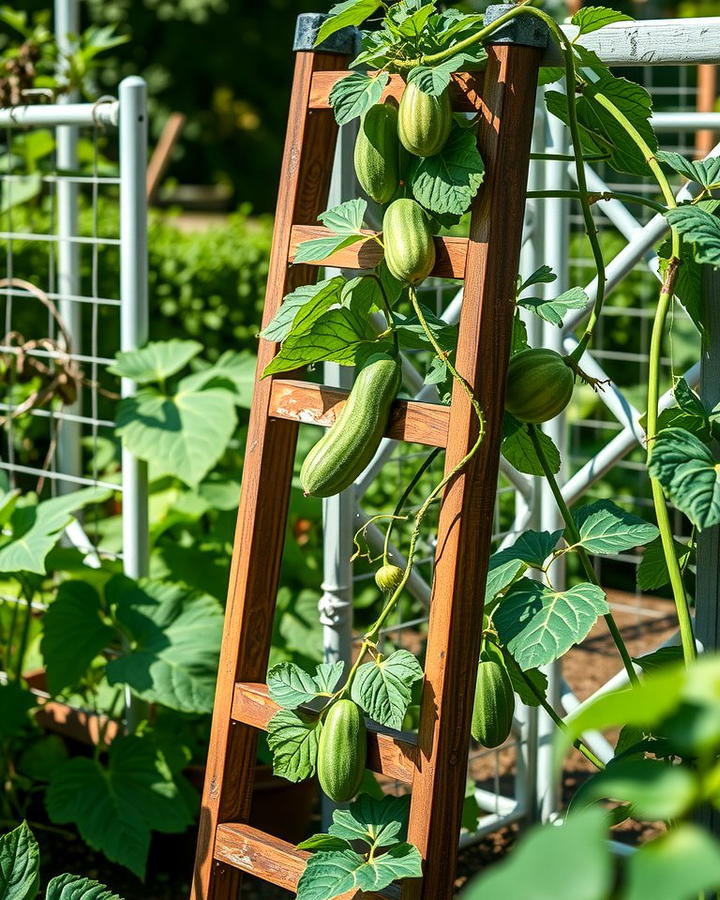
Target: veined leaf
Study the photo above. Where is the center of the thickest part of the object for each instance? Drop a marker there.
(699, 228)
(356, 93)
(384, 689)
(76, 611)
(346, 218)
(330, 874)
(115, 807)
(15, 703)
(176, 642)
(319, 249)
(542, 275)
(75, 887)
(378, 822)
(19, 864)
(233, 371)
(183, 434)
(553, 311)
(705, 172)
(527, 694)
(592, 18)
(155, 361)
(518, 449)
(349, 12)
(337, 336)
(663, 656)
(290, 686)
(538, 625)
(448, 181)
(689, 474)
(293, 738)
(530, 550)
(606, 529)
(302, 307)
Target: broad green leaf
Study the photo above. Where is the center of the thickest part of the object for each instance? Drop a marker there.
(413, 24)
(553, 311)
(362, 295)
(20, 190)
(378, 822)
(400, 861)
(42, 757)
(329, 874)
(688, 281)
(592, 18)
(183, 434)
(519, 336)
(337, 336)
(606, 529)
(320, 249)
(75, 887)
(305, 304)
(700, 229)
(412, 336)
(447, 182)
(76, 611)
(19, 864)
(36, 528)
(233, 371)
(652, 788)
(290, 686)
(349, 12)
(528, 694)
(175, 642)
(383, 689)
(155, 361)
(346, 218)
(530, 550)
(293, 738)
(601, 133)
(682, 863)
(663, 656)
(8, 502)
(705, 172)
(502, 572)
(652, 572)
(433, 80)
(115, 807)
(356, 93)
(323, 842)
(542, 275)
(568, 862)
(538, 625)
(689, 414)
(689, 474)
(518, 449)
(15, 703)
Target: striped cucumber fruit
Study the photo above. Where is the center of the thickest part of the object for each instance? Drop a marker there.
(350, 443)
(539, 385)
(408, 241)
(424, 121)
(377, 152)
(342, 751)
(494, 702)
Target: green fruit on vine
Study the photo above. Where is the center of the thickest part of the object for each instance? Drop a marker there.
(350, 443)
(539, 385)
(408, 241)
(377, 152)
(388, 578)
(424, 121)
(342, 751)
(494, 703)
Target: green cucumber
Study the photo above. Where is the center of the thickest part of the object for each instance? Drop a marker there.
(424, 121)
(408, 241)
(342, 751)
(377, 152)
(350, 443)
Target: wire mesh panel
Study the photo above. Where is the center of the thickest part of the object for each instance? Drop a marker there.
(72, 293)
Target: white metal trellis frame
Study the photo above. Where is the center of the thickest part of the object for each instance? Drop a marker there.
(75, 291)
(535, 789)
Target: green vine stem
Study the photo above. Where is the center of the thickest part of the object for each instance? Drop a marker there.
(653, 391)
(572, 536)
(602, 195)
(27, 594)
(370, 638)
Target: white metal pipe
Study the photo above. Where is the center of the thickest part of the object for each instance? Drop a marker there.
(105, 113)
(133, 324)
(656, 42)
(685, 121)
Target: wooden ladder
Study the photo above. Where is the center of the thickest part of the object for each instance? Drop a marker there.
(434, 764)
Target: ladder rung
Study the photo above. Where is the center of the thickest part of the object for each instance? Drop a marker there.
(271, 859)
(450, 261)
(465, 89)
(317, 404)
(390, 753)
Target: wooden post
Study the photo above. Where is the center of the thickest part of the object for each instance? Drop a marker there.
(267, 475)
(465, 527)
